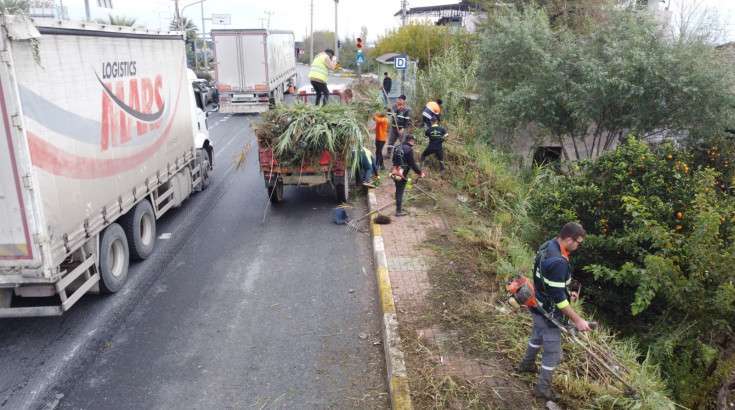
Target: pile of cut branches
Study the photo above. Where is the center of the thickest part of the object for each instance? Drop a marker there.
(299, 133)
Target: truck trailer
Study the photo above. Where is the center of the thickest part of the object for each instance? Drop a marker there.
(254, 68)
(101, 136)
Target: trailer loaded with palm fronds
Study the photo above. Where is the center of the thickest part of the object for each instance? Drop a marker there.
(307, 145)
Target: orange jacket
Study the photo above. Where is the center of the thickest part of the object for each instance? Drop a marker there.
(381, 128)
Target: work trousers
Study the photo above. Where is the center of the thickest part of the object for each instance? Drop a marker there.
(321, 90)
(400, 189)
(379, 154)
(395, 138)
(547, 336)
(438, 151)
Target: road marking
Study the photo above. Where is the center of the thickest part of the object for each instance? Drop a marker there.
(226, 145)
(166, 235)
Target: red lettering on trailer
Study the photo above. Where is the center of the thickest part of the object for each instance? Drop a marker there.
(118, 116)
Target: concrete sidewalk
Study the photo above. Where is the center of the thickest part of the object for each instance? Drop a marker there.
(409, 261)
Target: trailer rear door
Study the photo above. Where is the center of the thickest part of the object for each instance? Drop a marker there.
(16, 246)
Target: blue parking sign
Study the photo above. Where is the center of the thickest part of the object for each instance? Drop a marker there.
(400, 63)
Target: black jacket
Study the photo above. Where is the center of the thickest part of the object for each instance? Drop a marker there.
(387, 84)
(403, 157)
(436, 135)
(551, 277)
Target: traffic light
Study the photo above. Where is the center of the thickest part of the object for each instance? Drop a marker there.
(339, 43)
(359, 43)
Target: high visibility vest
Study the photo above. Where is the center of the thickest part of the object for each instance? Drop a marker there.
(319, 70)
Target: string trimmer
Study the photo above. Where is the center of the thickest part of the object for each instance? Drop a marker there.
(522, 293)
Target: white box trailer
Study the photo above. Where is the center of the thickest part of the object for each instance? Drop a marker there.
(100, 137)
(254, 68)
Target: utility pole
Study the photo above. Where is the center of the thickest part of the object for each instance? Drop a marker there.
(268, 13)
(86, 10)
(311, 36)
(204, 40)
(177, 15)
(336, 32)
(404, 6)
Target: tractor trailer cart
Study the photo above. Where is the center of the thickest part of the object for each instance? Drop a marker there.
(100, 137)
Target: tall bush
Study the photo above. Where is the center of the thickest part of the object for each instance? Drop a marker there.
(590, 89)
(421, 42)
(658, 259)
(451, 77)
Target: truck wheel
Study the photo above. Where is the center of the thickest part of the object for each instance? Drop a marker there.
(204, 162)
(6, 298)
(275, 192)
(140, 229)
(342, 188)
(114, 259)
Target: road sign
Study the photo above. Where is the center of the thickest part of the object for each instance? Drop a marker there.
(400, 63)
(360, 57)
(221, 19)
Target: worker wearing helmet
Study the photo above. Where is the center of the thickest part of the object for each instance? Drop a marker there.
(432, 111)
(319, 73)
(552, 274)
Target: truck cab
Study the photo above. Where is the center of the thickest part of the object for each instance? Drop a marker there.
(199, 119)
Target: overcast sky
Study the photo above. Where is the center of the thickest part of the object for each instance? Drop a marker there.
(293, 15)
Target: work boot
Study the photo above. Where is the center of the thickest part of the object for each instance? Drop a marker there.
(545, 392)
(543, 389)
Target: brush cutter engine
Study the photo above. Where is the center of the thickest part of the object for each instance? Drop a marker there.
(521, 291)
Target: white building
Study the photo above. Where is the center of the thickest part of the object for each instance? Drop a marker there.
(462, 14)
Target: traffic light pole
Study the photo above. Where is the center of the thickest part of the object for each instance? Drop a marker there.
(336, 31)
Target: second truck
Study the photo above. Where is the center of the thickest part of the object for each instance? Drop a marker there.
(254, 68)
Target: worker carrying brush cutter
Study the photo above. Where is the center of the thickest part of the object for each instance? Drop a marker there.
(403, 163)
(552, 275)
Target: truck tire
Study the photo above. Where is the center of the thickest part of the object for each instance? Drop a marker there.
(342, 188)
(114, 259)
(140, 229)
(6, 298)
(275, 192)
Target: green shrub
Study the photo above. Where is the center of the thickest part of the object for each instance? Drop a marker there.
(658, 258)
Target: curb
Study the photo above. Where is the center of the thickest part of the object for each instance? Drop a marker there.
(400, 393)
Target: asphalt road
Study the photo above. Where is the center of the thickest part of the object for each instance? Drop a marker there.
(244, 305)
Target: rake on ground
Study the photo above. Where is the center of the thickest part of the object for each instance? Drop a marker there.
(354, 225)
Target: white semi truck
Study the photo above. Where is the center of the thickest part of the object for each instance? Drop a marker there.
(100, 137)
(254, 68)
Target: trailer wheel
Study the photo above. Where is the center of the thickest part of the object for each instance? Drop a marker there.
(342, 188)
(204, 160)
(140, 229)
(6, 298)
(114, 259)
(275, 192)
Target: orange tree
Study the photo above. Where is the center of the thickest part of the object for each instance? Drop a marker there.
(658, 261)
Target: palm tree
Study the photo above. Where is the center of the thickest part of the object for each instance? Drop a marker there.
(14, 6)
(187, 26)
(118, 21)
